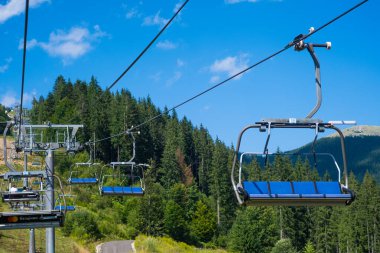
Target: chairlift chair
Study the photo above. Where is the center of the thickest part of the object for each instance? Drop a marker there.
(65, 205)
(76, 175)
(23, 194)
(128, 183)
(308, 193)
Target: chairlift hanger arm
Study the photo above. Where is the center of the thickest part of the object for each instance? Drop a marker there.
(301, 45)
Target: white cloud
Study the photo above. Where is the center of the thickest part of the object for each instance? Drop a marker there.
(214, 79)
(29, 45)
(177, 75)
(16, 7)
(155, 20)
(69, 45)
(180, 63)
(206, 108)
(132, 13)
(156, 77)
(10, 99)
(229, 65)
(166, 45)
(4, 68)
(176, 7)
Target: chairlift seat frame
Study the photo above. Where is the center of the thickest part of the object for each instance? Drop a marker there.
(82, 180)
(307, 193)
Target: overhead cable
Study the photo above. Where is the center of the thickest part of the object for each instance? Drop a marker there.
(148, 46)
(23, 64)
(289, 45)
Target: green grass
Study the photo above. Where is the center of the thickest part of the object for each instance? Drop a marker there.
(147, 244)
(17, 241)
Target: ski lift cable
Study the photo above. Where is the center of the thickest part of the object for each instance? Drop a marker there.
(23, 63)
(296, 40)
(148, 46)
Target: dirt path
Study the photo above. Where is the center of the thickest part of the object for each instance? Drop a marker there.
(115, 247)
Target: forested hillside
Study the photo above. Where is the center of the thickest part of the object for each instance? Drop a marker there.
(363, 152)
(189, 196)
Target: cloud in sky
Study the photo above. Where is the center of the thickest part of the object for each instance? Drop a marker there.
(155, 20)
(166, 45)
(239, 1)
(16, 7)
(10, 99)
(132, 13)
(4, 68)
(180, 63)
(176, 76)
(229, 65)
(68, 45)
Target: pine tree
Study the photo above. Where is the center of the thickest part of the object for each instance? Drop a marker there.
(221, 189)
(253, 231)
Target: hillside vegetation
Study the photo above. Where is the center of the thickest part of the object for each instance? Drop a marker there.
(188, 195)
(363, 152)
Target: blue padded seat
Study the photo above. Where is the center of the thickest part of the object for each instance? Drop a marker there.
(91, 180)
(62, 208)
(121, 190)
(257, 189)
(306, 190)
(282, 190)
(331, 190)
(295, 193)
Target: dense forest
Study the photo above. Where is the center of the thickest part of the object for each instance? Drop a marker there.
(188, 191)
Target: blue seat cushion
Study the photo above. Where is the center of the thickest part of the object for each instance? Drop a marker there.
(122, 190)
(306, 189)
(257, 189)
(62, 208)
(280, 190)
(90, 180)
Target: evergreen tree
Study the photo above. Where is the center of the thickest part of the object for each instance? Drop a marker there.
(203, 223)
(221, 189)
(253, 231)
(283, 246)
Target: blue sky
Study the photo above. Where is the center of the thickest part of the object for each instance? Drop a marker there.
(209, 41)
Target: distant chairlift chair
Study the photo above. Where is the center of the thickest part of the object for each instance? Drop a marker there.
(128, 180)
(13, 196)
(131, 184)
(32, 218)
(66, 205)
(76, 174)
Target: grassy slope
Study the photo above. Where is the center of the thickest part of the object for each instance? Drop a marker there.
(144, 244)
(17, 241)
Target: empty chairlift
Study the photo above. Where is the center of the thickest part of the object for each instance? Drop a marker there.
(126, 178)
(296, 193)
(83, 173)
(65, 202)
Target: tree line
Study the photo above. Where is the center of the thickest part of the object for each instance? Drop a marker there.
(189, 196)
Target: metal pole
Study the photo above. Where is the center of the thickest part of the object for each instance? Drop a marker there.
(25, 183)
(32, 244)
(49, 200)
